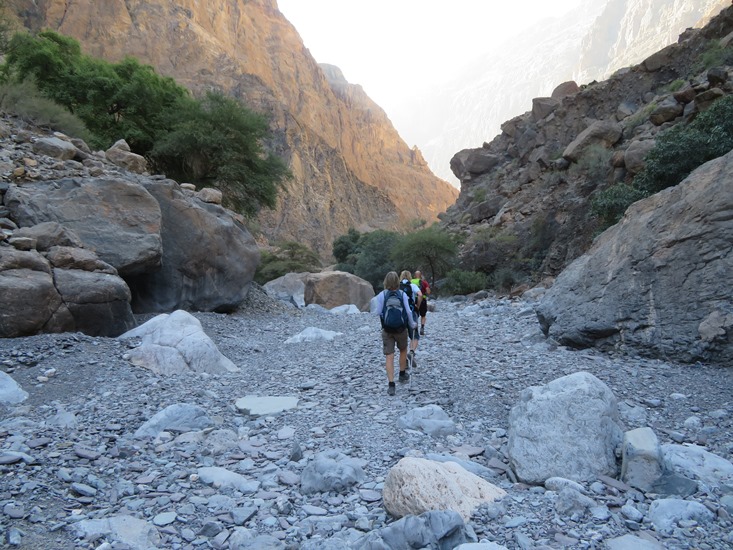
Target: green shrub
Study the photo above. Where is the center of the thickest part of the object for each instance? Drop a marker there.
(288, 257)
(26, 102)
(594, 163)
(504, 278)
(713, 56)
(458, 281)
(684, 147)
(675, 85)
(346, 247)
(637, 119)
(375, 256)
(610, 204)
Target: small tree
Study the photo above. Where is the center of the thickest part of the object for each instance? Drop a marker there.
(346, 247)
(432, 249)
(375, 256)
(217, 141)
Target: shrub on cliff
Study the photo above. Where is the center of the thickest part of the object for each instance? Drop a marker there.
(114, 100)
(217, 141)
(214, 141)
(676, 153)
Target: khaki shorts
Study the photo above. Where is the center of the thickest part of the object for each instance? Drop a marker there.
(390, 339)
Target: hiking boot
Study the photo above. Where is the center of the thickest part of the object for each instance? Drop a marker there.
(391, 388)
(422, 330)
(413, 362)
(404, 377)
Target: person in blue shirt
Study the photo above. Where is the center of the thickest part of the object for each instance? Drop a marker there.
(392, 339)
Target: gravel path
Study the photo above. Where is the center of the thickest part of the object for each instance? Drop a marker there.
(80, 460)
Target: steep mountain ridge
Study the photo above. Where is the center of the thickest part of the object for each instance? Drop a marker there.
(351, 168)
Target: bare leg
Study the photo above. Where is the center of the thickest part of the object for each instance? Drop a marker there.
(390, 366)
(403, 361)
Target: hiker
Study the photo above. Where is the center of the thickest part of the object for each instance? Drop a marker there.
(424, 286)
(393, 309)
(414, 298)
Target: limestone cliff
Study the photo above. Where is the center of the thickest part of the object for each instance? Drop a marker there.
(351, 168)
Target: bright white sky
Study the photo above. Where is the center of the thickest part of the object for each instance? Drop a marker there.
(396, 48)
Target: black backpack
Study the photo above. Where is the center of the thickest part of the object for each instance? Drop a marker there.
(406, 287)
(394, 316)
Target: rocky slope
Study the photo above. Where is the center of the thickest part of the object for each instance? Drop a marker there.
(70, 461)
(532, 186)
(587, 44)
(351, 167)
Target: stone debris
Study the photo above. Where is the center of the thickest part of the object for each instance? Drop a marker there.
(294, 450)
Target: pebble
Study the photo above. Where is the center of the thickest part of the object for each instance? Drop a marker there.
(96, 468)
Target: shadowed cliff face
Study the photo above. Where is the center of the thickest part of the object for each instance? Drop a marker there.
(351, 167)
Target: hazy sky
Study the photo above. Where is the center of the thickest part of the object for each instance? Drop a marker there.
(395, 48)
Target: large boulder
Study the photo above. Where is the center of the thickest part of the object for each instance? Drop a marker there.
(116, 218)
(600, 132)
(289, 288)
(36, 295)
(653, 281)
(415, 485)
(121, 155)
(209, 259)
(568, 428)
(176, 344)
(336, 288)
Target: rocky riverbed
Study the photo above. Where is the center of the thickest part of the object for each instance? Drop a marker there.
(70, 461)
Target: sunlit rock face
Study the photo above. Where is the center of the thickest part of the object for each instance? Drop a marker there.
(350, 167)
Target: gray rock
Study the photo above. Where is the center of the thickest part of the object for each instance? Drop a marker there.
(136, 533)
(665, 514)
(55, 147)
(435, 529)
(641, 458)
(176, 344)
(632, 542)
(331, 471)
(180, 417)
(10, 391)
(605, 296)
(567, 428)
(430, 419)
(221, 477)
(255, 405)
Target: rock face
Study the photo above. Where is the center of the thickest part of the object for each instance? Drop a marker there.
(350, 167)
(653, 281)
(567, 428)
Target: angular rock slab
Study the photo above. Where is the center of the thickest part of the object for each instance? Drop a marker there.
(176, 344)
(10, 391)
(430, 419)
(179, 417)
(116, 218)
(289, 288)
(567, 428)
(331, 471)
(255, 405)
(136, 533)
(641, 459)
(434, 529)
(631, 542)
(694, 462)
(415, 485)
(652, 281)
(221, 477)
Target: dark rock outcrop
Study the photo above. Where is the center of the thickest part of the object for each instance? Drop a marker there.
(658, 281)
(83, 243)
